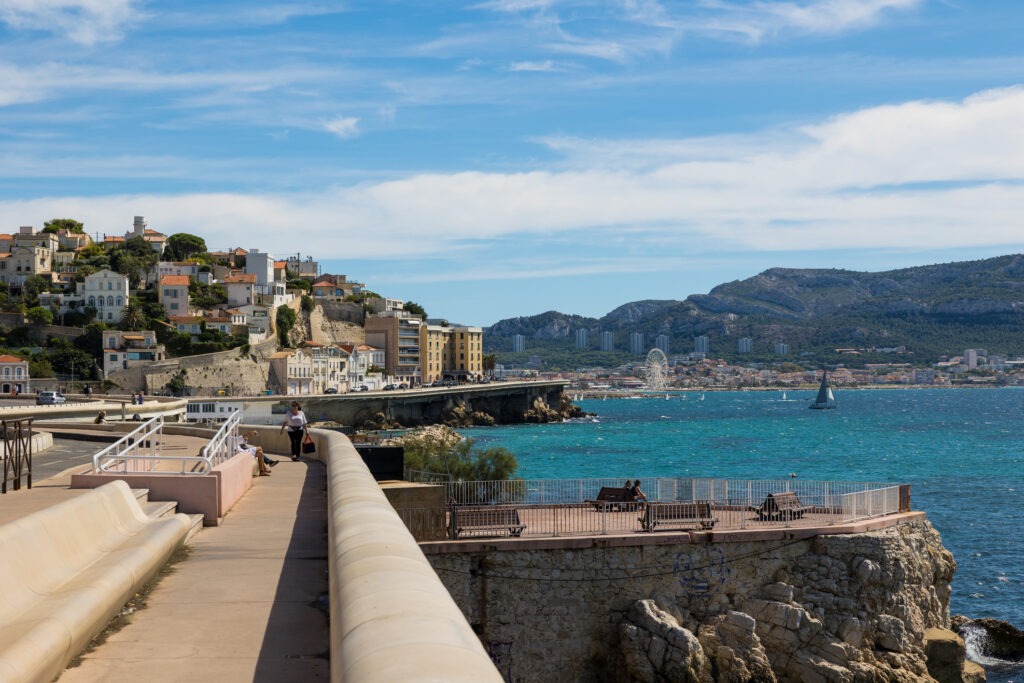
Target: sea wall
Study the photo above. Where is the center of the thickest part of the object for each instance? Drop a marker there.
(851, 607)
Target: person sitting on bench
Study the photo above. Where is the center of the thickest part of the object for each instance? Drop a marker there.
(262, 460)
(627, 494)
(636, 494)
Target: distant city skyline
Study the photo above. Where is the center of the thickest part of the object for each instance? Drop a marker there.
(504, 158)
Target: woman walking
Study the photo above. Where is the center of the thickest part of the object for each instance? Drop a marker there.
(295, 422)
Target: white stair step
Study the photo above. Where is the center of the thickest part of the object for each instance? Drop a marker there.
(160, 508)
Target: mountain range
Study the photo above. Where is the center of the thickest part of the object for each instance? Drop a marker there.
(927, 312)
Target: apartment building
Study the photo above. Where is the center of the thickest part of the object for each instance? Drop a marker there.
(451, 351)
(172, 293)
(13, 375)
(291, 372)
(399, 335)
(122, 350)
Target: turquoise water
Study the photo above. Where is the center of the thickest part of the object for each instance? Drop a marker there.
(960, 449)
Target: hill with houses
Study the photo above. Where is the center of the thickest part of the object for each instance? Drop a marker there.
(147, 311)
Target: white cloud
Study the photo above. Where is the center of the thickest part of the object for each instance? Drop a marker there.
(546, 65)
(923, 174)
(344, 127)
(83, 21)
(759, 20)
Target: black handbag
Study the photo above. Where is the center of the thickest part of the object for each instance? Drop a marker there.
(307, 445)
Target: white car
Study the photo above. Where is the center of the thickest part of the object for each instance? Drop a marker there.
(50, 398)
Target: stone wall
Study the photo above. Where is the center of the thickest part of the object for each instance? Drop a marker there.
(849, 607)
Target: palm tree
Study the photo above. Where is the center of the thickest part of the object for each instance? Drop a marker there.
(133, 316)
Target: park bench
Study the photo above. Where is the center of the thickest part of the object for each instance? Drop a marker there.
(614, 497)
(781, 506)
(485, 520)
(696, 514)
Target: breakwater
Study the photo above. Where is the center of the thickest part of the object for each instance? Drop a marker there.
(497, 403)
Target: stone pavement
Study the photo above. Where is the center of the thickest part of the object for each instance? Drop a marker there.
(247, 603)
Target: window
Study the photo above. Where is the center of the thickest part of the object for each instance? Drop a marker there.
(110, 285)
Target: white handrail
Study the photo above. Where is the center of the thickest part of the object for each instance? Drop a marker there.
(223, 444)
(136, 451)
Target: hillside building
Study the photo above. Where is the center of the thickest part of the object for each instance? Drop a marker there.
(607, 341)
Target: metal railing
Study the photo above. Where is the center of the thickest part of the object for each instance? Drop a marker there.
(224, 444)
(136, 451)
(17, 453)
(567, 507)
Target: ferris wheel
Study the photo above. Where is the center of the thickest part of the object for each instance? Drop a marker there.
(655, 370)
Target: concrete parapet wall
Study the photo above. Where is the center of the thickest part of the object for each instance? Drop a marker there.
(391, 617)
(68, 569)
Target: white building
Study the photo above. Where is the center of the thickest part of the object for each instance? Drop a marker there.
(122, 350)
(105, 291)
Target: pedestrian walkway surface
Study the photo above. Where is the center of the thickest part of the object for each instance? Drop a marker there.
(247, 603)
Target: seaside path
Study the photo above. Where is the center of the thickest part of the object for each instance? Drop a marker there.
(247, 602)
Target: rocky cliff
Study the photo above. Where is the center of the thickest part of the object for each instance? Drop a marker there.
(833, 608)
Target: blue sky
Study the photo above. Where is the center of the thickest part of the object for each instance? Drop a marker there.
(500, 158)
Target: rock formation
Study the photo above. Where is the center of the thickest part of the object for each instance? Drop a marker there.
(858, 608)
(870, 606)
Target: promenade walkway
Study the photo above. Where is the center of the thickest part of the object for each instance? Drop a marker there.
(247, 603)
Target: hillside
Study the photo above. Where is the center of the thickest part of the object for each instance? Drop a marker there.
(934, 311)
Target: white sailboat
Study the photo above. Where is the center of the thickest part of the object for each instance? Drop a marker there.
(825, 400)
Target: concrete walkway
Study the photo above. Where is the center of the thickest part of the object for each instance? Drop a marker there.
(247, 604)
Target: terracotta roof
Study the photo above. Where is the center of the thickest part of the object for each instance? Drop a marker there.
(112, 238)
(175, 280)
(7, 358)
(184, 319)
(283, 354)
(241, 279)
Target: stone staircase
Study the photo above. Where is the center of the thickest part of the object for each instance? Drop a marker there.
(156, 509)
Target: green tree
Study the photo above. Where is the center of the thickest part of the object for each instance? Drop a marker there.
(33, 287)
(285, 320)
(207, 296)
(177, 384)
(490, 360)
(447, 453)
(134, 315)
(39, 315)
(307, 303)
(182, 245)
(39, 366)
(58, 224)
(415, 309)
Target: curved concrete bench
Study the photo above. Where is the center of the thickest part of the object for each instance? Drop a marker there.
(66, 571)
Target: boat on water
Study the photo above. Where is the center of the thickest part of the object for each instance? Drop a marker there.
(825, 400)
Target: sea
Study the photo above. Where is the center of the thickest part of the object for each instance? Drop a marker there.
(961, 450)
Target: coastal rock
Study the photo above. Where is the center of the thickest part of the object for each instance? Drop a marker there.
(946, 664)
(540, 412)
(734, 649)
(995, 638)
(656, 647)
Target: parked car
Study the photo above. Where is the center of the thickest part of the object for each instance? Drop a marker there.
(361, 387)
(50, 398)
(390, 387)
(331, 390)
